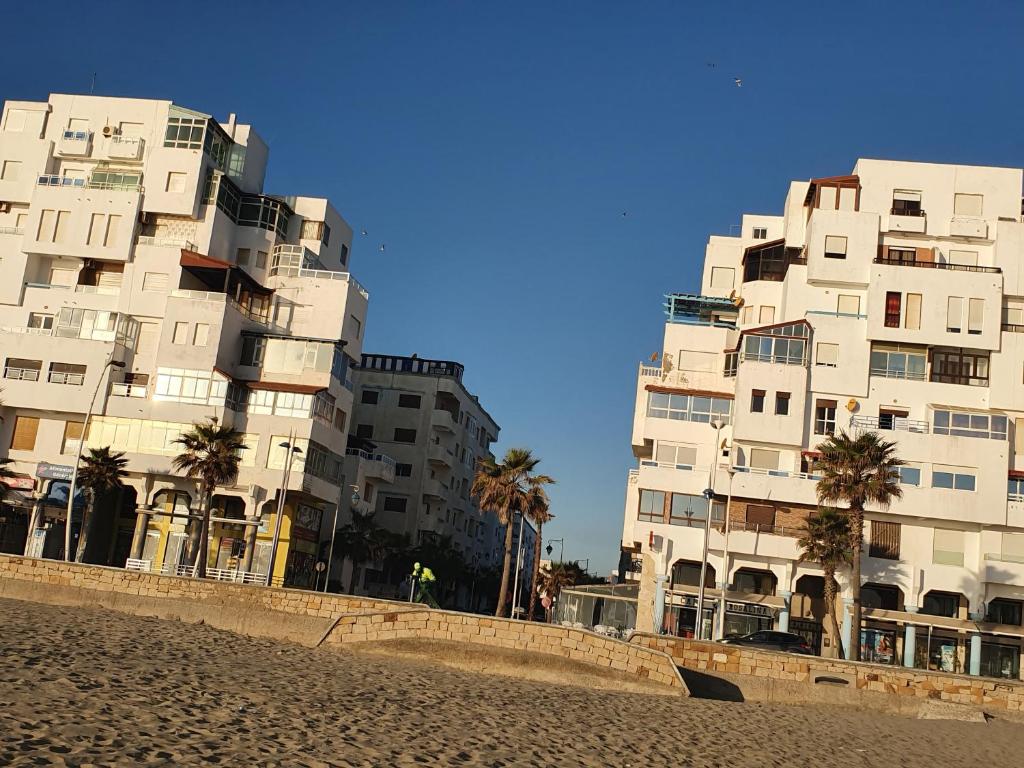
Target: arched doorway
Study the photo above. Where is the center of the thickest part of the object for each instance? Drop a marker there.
(227, 540)
(807, 609)
(686, 573)
(882, 596)
(755, 581)
(681, 610)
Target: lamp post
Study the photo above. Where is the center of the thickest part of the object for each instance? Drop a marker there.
(334, 530)
(561, 549)
(519, 561)
(290, 450)
(709, 494)
(111, 363)
(725, 554)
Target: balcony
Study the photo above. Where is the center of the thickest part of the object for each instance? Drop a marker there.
(777, 484)
(960, 226)
(68, 378)
(52, 180)
(889, 424)
(376, 465)
(939, 265)
(118, 389)
(75, 143)
(907, 220)
(1004, 569)
(125, 147)
(712, 311)
(435, 489)
(166, 242)
(21, 374)
(299, 261)
(440, 455)
(443, 420)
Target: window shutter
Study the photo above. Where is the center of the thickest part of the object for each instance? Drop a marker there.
(975, 315)
(954, 313)
(885, 540)
(761, 515)
(912, 319)
(828, 354)
(155, 281)
(25, 430)
(925, 254)
(762, 458)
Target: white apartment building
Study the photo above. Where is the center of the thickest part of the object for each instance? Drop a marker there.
(416, 438)
(889, 300)
(143, 262)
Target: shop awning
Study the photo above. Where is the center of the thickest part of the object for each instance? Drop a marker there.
(692, 392)
(274, 386)
(212, 272)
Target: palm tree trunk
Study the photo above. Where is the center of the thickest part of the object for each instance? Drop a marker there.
(536, 571)
(195, 530)
(857, 530)
(352, 577)
(500, 611)
(830, 613)
(83, 533)
(204, 537)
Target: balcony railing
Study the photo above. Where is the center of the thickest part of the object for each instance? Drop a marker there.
(670, 465)
(894, 424)
(919, 213)
(940, 265)
(1013, 328)
(21, 374)
(52, 180)
(1000, 557)
(102, 290)
(774, 530)
(76, 136)
(26, 330)
(370, 456)
(12, 230)
(118, 389)
(777, 473)
(117, 186)
(166, 242)
(896, 373)
(63, 377)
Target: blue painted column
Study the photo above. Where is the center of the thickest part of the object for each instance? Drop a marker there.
(659, 604)
(909, 639)
(975, 665)
(847, 626)
(784, 611)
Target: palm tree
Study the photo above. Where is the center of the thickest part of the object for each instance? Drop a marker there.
(858, 471)
(211, 455)
(538, 512)
(361, 540)
(827, 541)
(505, 488)
(102, 471)
(554, 579)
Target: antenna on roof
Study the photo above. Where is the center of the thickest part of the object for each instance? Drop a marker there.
(92, 86)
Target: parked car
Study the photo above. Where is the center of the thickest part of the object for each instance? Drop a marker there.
(770, 640)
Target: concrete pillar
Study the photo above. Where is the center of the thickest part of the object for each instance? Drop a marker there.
(139, 538)
(645, 596)
(975, 664)
(250, 546)
(848, 627)
(720, 612)
(909, 639)
(659, 603)
(35, 521)
(787, 597)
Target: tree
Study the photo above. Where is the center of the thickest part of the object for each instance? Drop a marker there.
(827, 541)
(102, 471)
(504, 488)
(858, 471)
(210, 455)
(361, 540)
(555, 578)
(538, 512)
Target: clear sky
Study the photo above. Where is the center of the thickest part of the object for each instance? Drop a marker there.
(493, 148)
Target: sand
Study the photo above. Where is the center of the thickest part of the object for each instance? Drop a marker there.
(83, 687)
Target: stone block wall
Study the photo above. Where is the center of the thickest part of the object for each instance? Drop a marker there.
(736, 662)
(577, 645)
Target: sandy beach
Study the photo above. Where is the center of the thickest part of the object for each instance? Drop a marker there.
(90, 687)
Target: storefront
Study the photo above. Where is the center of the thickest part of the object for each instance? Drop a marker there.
(740, 618)
(1000, 657)
(878, 645)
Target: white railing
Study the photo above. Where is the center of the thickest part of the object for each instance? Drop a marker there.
(102, 290)
(12, 230)
(1015, 497)
(633, 476)
(166, 242)
(777, 473)
(670, 465)
(22, 374)
(383, 458)
(125, 147)
(895, 423)
(135, 564)
(26, 330)
(118, 389)
(117, 186)
(182, 293)
(72, 379)
(885, 373)
(650, 371)
(1004, 557)
(76, 135)
(237, 577)
(49, 286)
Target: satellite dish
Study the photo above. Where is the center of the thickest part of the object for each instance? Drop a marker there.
(852, 405)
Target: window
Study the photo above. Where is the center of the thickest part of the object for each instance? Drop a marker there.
(11, 170)
(395, 504)
(906, 202)
(953, 478)
(261, 259)
(1002, 611)
(66, 373)
(954, 314)
(370, 397)
(364, 431)
(763, 458)
(356, 325)
(746, 315)
(968, 258)
(847, 304)
(201, 335)
(181, 385)
(405, 435)
(175, 182)
(772, 349)
(827, 354)
(315, 230)
(72, 436)
(897, 255)
(403, 470)
(680, 456)
(967, 424)
(723, 278)
(948, 548)
(967, 205)
(760, 233)
(757, 401)
(295, 404)
(242, 256)
(909, 474)
(652, 506)
(975, 315)
(662, 405)
(766, 315)
(760, 517)
(912, 313)
(25, 430)
(782, 403)
(885, 540)
(685, 508)
(95, 233)
(893, 301)
(960, 366)
(344, 253)
(185, 132)
(835, 247)
(21, 369)
(155, 282)
(825, 417)
(40, 320)
(180, 335)
(408, 401)
(899, 361)
(731, 359)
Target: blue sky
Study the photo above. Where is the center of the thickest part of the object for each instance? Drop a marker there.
(494, 146)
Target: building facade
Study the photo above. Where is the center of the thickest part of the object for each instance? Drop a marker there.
(416, 438)
(146, 272)
(887, 300)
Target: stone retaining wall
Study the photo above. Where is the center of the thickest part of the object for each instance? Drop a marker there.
(752, 669)
(577, 645)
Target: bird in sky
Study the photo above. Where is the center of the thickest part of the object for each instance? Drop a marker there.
(739, 83)
(711, 64)
(382, 247)
(625, 214)
(364, 233)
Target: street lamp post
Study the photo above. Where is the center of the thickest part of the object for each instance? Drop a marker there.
(725, 555)
(290, 449)
(709, 494)
(334, 530)
(561, 549)
(111, 363)
(519, 562)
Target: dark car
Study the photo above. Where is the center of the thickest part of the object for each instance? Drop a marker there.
(770, 640)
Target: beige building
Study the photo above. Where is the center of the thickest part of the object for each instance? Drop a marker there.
(890, 300)
(142, 261)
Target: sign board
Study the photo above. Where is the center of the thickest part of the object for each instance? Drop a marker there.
(54, 471)
(19, 482)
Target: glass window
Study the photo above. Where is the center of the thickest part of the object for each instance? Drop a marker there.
(909, 475)
(185, 132)
(899, 362)
(825, 417)
(757, 401)
(652, 506)
(966, 424)
(782, 403)
(953, 478)
(662, 405)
